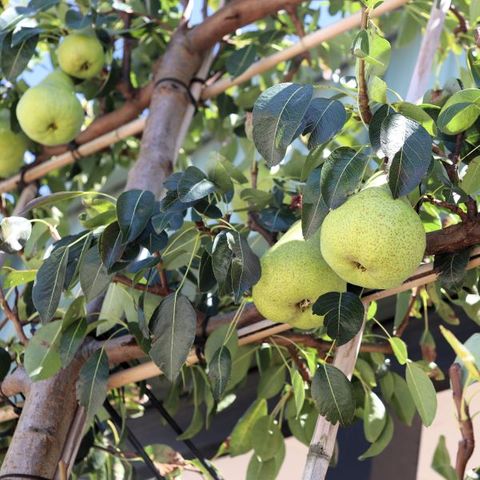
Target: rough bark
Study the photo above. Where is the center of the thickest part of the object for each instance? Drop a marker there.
(454, 238)
(43, 425)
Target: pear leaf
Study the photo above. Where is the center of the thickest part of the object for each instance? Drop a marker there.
(408, 148)
(441, 461)
(344, 313)
(239, 60)
(194, 185)
(42, 358)
(382, 441)
(374, 416)
(219, 371)
(48, 285)
(333, 395)
(111, 245)
(323, 120)
(94, 277)
(14, 58)
(92, 384)
(341, 175)
(452, 268)
(134, 209)
(460, 111)
(423, 393)
(278, 118)
(173, 335)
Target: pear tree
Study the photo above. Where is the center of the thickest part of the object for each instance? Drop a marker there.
(194, 194)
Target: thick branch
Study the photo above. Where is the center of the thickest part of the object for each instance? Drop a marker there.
(235, 14)
(454, 238)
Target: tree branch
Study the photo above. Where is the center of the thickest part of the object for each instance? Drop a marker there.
(454, 238)
(467, 444)
(363, 100)
(13, 317)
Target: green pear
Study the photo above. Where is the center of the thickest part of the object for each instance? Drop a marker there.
(294, 275)
(50, 113)
(373, 240)
(12, 146)
(81, 55)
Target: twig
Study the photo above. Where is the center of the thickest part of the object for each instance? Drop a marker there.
(13, 317)
(462, 21)
(162, 274)
(154, 289)
(363, 100)
(125, 84)
(467, 444)
(299, 362)
(448, 206)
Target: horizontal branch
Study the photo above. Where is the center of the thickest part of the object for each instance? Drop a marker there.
(454, 238)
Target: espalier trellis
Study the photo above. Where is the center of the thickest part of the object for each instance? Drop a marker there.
(201, 262)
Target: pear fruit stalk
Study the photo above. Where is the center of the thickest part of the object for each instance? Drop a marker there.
(373, 240)
(50, 113)
(294, 275)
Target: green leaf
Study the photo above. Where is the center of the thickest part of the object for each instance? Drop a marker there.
(298, 386)
(452, 268)
(175, 326)
(377, 90)
(323, 120)
(341, 174)
(94, 277)
(72, 338)
(401, 307)
(111, 245)
(245, 267)
(471, 180)
(277, 116)
(417, 113)
(266, 470)
(218, 338)
(241, 437)
(460, 111)
(241, 365)
(399, 348)
(14, 278)
(271, 381)
(239, 60)
(423, 393)
(219, 371)
(374, 417)
(266, 437)
(375, 127)
(402, 400)
(134, 209)
(194, 185)
(14, 233)
(382, 442)
(443, 308)
(76, 310)
(344, 313)
(42, 359)
(441, 461)
(333, 395)
(314, 208)
(14, 59)
(48, 286)
(408, 148)
(196, 423)
(54, 198)
(92, 384)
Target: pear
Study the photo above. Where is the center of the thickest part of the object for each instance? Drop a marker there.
(373, 240)
(294, 275)
(12, 146)
(50, 113)
(81, 55)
